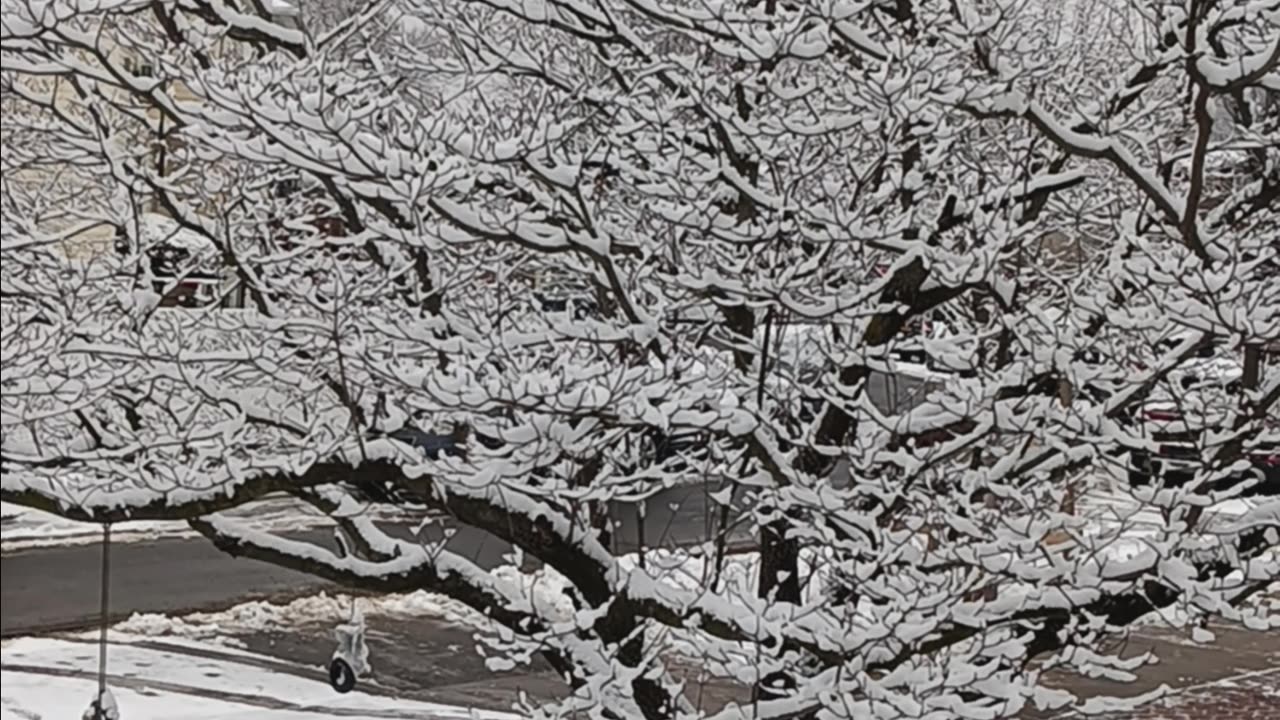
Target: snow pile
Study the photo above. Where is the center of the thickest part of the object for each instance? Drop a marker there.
(325, 609)
(262, 616)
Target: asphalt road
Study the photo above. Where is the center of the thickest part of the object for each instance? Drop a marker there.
(49, 589)
(57, 588)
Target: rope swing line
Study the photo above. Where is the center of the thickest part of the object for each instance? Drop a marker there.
(103, 706)
(105, 597)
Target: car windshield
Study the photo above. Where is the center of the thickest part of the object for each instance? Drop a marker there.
(1172, 344)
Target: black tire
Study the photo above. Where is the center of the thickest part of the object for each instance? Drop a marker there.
(341, 676)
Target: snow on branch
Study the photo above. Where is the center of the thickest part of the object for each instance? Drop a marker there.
(87, 503)
(861, 354)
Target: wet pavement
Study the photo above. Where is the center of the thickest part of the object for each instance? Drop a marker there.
(436, 660)
(1252, 697)
(1237, 677)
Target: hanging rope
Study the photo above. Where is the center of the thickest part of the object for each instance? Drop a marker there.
(351, 659)
(105, 608)
(103, 706)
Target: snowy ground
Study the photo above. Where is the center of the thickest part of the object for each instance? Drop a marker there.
(1117, 509)
(263, 616)
(55, 679)
(197, 668)
(23, 528)
(214, 666)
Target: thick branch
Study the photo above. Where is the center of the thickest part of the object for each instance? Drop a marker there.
(440, 571)
(185, 503)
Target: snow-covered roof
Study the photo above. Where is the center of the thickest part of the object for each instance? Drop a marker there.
(281, 8)
(159, 229)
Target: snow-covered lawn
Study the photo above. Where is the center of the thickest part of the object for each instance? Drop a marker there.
(56, 678)
(22, 528)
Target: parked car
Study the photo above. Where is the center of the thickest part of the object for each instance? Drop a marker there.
(185, 267)
(558, 290)
(580, 305)
(1200, 388)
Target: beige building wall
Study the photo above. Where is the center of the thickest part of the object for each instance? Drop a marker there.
(65, 197)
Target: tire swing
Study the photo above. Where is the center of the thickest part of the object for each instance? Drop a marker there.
(103, 706)
(351, 658)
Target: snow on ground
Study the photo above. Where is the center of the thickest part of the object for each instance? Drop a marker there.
(55, 679)
(261, 616)
(193, 667)
(1133, 526)
(22, 528)
(1116, 510)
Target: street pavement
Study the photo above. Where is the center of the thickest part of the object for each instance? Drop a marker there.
(57, 588)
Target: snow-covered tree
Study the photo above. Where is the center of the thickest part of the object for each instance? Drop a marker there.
(515, 262)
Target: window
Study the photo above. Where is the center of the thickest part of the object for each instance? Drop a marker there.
(287, 188)
(140, 67)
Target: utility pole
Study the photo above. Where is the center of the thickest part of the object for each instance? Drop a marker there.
(1252, 366)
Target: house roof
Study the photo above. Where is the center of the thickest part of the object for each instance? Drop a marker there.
(159, 229)
(281, 8)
